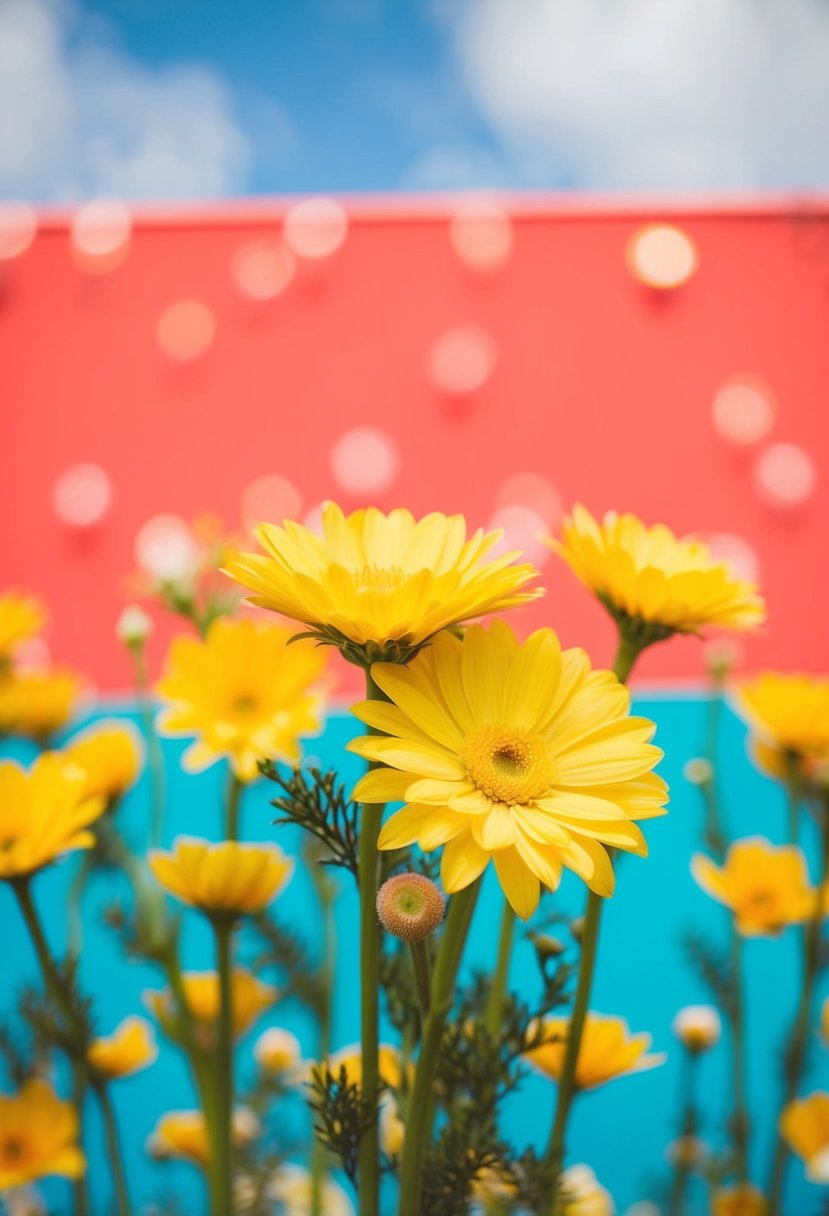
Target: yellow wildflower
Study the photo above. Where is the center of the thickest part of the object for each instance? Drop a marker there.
(110, 755)
(44, 813)
(251, 998)
(21, 617)
(227, 879)
(37, 703)
(788, 716)
(129, 1048)
(608, 1050)
(804, 1125)
(765, 886)
(38, 1136)
(515, 753)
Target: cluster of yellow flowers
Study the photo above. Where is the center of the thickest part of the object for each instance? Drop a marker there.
(36, 698)
(495, 750)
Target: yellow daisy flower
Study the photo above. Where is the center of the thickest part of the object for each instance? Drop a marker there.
(804, 1125)
(251, 998)
(110, 755)
(377, 585)
(183, 1134)
(493, 1188)
(278, 1051)
(650, 577)
(349, 1058)
(21, 617)
(38, 1136)
(129, 1048)
(766, 887)
(608, 1050)
(37, 703)
(43, 813)
(227, 879)
(515, 753)
(788, 716)
(244, 692)
(742, 1199)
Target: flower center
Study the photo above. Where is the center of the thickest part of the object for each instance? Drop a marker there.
(244, 704)
(12, 1150)
(507, 764)
(382, 579)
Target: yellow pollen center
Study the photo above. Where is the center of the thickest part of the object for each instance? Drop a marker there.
(244, 704)
(382, 579)
(508, 765)
(12, 1150)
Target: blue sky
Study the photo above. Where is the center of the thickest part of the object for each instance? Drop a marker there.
(210, 98)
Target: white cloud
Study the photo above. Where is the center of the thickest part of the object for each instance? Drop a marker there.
(653, 94)
(79, 118)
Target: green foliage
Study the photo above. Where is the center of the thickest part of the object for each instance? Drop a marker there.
(317, 802)
(285, 951)
(712, 967)
(341, 1115)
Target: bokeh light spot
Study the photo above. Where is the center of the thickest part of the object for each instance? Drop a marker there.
(263, 269)
(744, 410)
(728, 547)
(82, 495)
(535, 491)
(462, 360)
(785, 476)
(166, 549)
(100, 234)
(270, 499)
(18, 228)
(185, 330)
(661, 256)
(316, 227)
(365, 460)
(481, 235)
(522, 528)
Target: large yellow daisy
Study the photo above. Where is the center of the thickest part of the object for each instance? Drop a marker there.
(390, 581)
(647, 574)
(244, 691)
(44, 813)
(515, 753)
(38, 1136)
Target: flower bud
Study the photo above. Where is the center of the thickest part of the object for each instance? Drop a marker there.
(277, 1050)
(134, 626)
(577, 928)
(697, 1027)
(547, 946)
(698, 771)
(410, 906)
(688, 1151)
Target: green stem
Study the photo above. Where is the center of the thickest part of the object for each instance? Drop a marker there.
(497, 992)
(740, 1118)
(688, 1105)
(367, 871)
(223, 930)
(794, 797)
(567, 1080)
(155, 755)
(234, 803)
(420, 1108)
(116, 1160)
(627, 653)
(56, 990)
(325, 893)
(423, 979)
(796, 1049)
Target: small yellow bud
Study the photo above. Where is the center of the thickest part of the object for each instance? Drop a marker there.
(547, 946)
(698, 771)
(410, 906)
(697, 1027)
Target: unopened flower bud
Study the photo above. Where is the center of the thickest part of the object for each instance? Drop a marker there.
(697, 1027)
(577, 928)
(722, 656)
(689, 1151)
(134, 626)
(410, 906)
(547, 946)
(698, 771)
(277, 1050)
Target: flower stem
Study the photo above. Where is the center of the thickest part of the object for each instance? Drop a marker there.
(423, 980)
(794, 797)
(367, 867)
(741, 1127)
(155, 756)
(567, 1080)
(234, 803)
(56, 990)
(688, 1105)
(326, 891)
(223, 1193)
(627, 653)
(498, 988)
(420, 1108)
(116, 1160)
(796, 1048)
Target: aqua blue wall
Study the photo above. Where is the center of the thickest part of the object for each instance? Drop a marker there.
(620, 1130)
